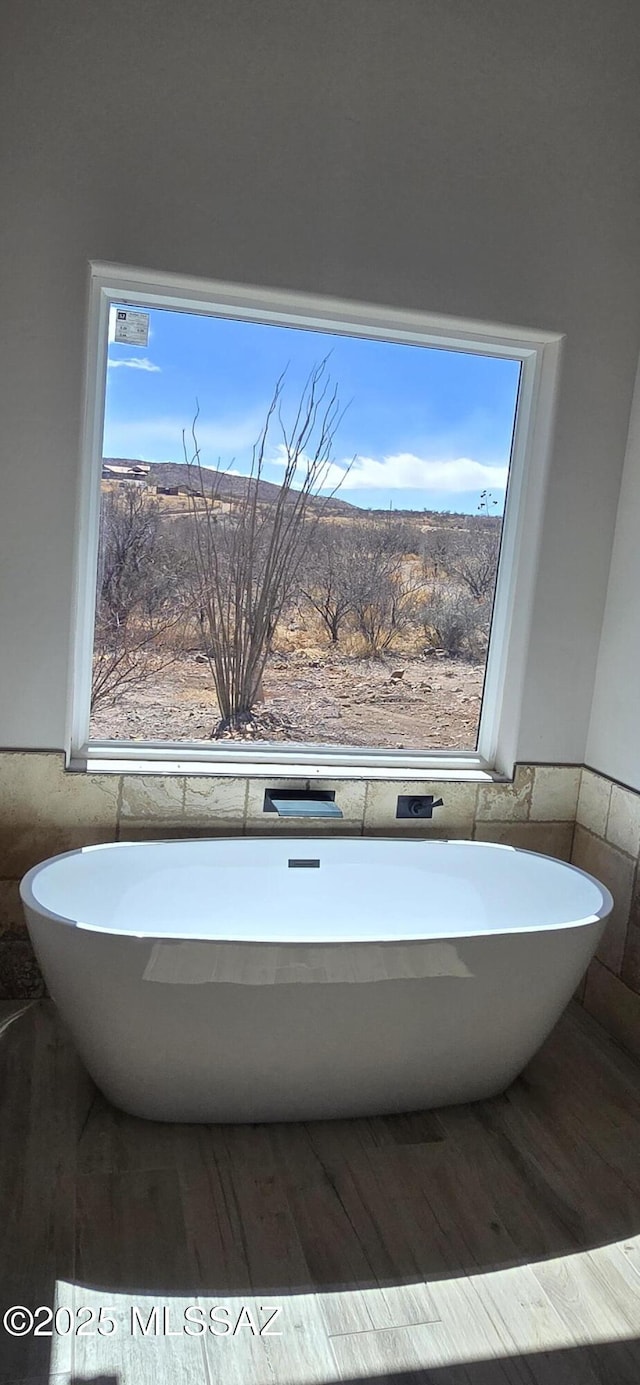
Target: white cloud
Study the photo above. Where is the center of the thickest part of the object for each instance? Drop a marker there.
(408, 472)
(405, 471)
(134, 363)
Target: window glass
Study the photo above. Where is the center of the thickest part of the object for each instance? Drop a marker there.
(299, 534)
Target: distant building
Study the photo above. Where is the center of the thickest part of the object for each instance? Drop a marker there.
(167, 490)
(126, 472)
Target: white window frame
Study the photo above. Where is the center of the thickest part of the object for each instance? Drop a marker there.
(539, 356)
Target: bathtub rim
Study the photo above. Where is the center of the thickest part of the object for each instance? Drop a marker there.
(29, 900)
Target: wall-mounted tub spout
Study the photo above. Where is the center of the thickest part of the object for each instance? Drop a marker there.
(302, 803)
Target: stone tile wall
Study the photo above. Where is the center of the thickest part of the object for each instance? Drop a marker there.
(607, 843)
(45, 810)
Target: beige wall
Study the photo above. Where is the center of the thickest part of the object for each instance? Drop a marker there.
(613, 744)
(471, 159)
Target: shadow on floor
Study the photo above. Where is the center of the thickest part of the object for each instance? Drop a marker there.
(93, 1380)
(610, 1363)
(93, 1198)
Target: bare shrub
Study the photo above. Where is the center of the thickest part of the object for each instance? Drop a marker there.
(326, 576)
(399, 535)
(469, 555)
(384, 589)
(142, 600)
(245, 564)
(475, 561)
(436, 551)
(457, 623)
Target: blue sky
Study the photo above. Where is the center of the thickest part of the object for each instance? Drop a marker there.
(429, 429)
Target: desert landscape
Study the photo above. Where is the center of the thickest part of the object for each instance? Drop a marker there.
(375, 636)
(325, 700)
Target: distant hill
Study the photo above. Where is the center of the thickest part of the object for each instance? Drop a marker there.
(226, 486)
(229, 487)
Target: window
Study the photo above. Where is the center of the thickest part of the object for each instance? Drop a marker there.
(307, 533)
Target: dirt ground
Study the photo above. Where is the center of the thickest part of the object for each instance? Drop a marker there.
(400, 703)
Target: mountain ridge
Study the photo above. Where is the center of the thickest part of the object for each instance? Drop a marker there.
(227, 486)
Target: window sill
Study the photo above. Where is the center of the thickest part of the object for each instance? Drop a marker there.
(307, 764)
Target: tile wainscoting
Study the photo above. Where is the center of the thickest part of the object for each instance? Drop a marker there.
(607, 843)
(45, 810)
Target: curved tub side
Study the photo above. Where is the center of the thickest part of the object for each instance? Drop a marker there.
(300, 1047)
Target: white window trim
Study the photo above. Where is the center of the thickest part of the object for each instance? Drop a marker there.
(539, 354)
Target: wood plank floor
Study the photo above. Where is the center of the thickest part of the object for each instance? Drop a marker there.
(476, 1245)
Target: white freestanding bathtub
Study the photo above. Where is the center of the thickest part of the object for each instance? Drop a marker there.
(261, 980)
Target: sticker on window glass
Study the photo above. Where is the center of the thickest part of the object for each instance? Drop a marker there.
(132, 327)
